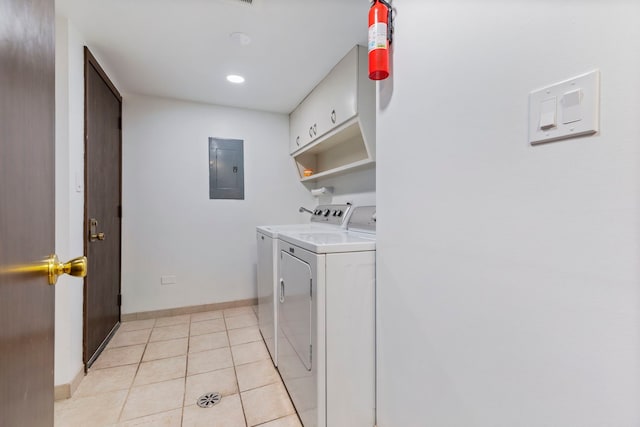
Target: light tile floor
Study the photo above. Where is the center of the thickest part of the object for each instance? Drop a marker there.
(153, 371)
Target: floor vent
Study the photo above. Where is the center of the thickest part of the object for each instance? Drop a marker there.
(210, 399)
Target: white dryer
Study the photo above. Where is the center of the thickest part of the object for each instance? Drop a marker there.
(323, 218)
(326, 322)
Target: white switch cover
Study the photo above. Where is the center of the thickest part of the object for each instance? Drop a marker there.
(167, 280)
(548, 110)
(572, 106)
(79, 182)
(577, 109)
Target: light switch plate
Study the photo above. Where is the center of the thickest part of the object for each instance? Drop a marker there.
(79, 182)
(583, 118)
(168, 280)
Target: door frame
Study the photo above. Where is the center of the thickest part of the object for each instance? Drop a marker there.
(91, 61)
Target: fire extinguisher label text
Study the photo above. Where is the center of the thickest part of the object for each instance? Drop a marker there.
(378, 36)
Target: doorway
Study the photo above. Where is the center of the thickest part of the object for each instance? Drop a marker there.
(103, 210)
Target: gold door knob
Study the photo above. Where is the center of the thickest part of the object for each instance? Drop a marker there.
(76, 267)
(52, 267)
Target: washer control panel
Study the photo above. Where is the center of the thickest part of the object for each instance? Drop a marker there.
(363, 219)
(331, 214)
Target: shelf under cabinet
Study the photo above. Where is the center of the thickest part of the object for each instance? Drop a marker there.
(340, 151)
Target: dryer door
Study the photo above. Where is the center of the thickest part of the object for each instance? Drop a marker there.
(296, 306)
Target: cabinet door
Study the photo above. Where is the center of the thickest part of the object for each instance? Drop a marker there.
(314, 105)
(296, 126)
(337, 100)
(301, 122)
(307, 118)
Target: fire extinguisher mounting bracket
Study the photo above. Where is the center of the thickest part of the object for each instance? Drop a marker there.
(389, 18)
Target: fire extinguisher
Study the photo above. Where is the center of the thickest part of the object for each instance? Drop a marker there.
(380, 37)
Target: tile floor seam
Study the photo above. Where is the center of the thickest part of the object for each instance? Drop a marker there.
(295, 410)
(270, 421)
(235, 372)
(170, 339)
(263, 385)
(147, 415)
(157, 381)
(186, 372)
(248, 363)
(135, 375)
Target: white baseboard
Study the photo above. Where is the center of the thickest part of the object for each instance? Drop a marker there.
(65, 391)
(187, 310)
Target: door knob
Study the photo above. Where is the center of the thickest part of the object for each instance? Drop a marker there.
(52, 267)
(76, 267)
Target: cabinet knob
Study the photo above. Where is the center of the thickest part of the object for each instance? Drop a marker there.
(333, 116)
(311, 131)
(298, 140)
(315, 129)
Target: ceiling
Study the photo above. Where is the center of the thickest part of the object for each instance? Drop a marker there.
(182, 48)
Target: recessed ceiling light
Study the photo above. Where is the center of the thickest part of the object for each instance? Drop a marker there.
(240, 38)
(233, 78)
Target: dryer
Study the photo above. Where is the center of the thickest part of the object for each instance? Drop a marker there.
(324, 217)
(326, 322)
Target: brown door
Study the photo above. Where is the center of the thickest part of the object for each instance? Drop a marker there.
(103, 106)
(26, 210)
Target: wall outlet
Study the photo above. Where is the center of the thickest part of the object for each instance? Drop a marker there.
(167, 280)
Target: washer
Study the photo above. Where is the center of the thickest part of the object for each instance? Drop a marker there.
(324, 217)
(326, 321)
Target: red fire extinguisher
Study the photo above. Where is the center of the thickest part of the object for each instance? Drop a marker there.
(380, 37)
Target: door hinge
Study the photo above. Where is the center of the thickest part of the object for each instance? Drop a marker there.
(119, 300)
(119, 211)
(120, 123)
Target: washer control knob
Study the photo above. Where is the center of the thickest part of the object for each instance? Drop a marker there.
(338, 213)
(326, 212)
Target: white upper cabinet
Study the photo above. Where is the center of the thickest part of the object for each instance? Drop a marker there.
(336, 96)
(333, 128)
(332, 102)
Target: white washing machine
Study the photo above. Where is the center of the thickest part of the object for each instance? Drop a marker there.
(326, 322)
(324, 217)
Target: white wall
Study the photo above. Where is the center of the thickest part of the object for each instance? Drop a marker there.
(508, 274)
(169, 225)
(358, 188)
(69, 199)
